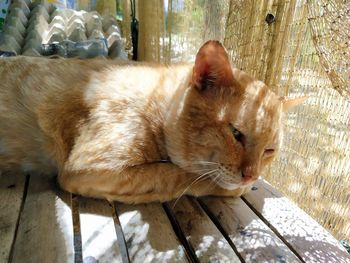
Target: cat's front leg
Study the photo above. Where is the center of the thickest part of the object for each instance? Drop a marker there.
(137, 184)
(140, 184)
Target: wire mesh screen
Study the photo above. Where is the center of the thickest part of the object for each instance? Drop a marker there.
(282, 43)
(290, 45)
(296, 47)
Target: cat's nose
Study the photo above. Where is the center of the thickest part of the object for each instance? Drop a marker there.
(249, 174)
(246, 178)
(248, 171)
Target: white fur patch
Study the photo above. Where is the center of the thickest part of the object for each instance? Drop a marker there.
(222, 113)
(115, 84)
(228, 186)
(228, 179)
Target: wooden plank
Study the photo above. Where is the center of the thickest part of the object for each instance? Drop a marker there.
(254, 240)
(99, 239)
(310, 240)
(205, 239)
(11, 193)
(149, 234)
(45, 232)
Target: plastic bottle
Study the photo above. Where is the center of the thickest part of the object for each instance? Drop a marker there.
(84, 49)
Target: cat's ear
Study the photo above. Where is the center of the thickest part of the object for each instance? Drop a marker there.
(212, 67)
(291, 103)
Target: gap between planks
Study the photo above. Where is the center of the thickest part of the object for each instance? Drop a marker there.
(143, 233)
(45, 224)
(78, 254)
(252, 238)
(191, 254)
(22, 201)
(201, 233)
(273, 229)
(97, 232)
(149, 234)
(220, 228)
(120, 236)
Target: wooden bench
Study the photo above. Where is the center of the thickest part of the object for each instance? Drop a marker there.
(40, 223)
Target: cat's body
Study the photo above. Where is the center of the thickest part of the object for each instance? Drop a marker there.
(46, 104)
(138, 132)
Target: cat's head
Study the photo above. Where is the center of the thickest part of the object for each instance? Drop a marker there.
(229, 125)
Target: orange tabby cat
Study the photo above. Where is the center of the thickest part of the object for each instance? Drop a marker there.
(139, 132)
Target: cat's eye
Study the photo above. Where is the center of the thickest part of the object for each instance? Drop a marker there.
(237, 134)
(269, 152)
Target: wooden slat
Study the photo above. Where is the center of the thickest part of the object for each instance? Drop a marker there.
(99, 239)
(45, 232)
(11, 194)
(254, 240)
(205, 239)
(310, 240)
(149, 234)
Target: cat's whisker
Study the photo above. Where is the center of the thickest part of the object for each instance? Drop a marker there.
(199, 166)
(194, 170)
(216, 178)
(213, 182)
(198, 179)
(202, 161)
(187, 188)
(205, 163)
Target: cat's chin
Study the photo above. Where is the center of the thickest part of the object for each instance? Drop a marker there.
(229, 186)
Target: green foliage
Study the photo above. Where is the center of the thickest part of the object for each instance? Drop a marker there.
(193, 9)
(2, 21)
(119, 10)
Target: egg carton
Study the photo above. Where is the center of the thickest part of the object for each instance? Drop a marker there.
(39, 29)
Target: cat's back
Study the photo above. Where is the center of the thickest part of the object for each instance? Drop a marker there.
(27, 83)
(44, 100)
(41, 74)
(32, 90)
